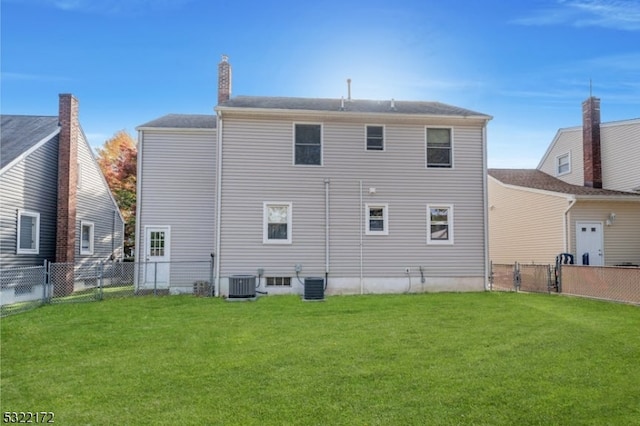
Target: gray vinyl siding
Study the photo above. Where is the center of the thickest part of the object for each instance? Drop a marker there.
(258, 167)
(31, 185)
(177, 188)
(95, 204)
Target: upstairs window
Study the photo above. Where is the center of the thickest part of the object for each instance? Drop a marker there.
(377, 219)
(308, 144)
(563, 163)
(277, 223)
(439, 224)
(375, 138)
(86, 237)
(28, 238)
(439, 147)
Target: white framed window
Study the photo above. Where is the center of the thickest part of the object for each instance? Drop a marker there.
(563, 164)
(86, 237)
(439, 224)
(307, 144)
(439, 147)
(377, 217)
(277, 223)
(28, 235)
(374, 138)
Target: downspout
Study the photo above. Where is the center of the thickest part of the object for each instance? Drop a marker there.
(218, 203)
(138, 246)
(326, 232)
(565, 225)
(361, 221)
(113, 235)
(485, 202)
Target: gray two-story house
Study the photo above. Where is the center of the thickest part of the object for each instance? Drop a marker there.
(56, 205)
(372, 196)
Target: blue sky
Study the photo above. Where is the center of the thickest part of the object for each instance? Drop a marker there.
(526, 63)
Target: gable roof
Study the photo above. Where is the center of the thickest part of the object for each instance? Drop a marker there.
(21, 133)
(182, 121)
(354, 105)
(536, 179)
(564, 130)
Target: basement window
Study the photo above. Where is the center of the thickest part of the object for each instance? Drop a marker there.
(279, 281)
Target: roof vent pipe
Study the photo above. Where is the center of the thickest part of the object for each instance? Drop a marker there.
(348, 90)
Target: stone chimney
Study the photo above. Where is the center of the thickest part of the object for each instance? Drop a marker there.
(224, 80)
(591, 143)
(67, 178)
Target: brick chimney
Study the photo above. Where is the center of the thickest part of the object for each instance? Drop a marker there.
(224, 80)
(591, 143)
(67, 178)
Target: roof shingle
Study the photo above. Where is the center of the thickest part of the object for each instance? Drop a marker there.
(536, 179)
(19, 133)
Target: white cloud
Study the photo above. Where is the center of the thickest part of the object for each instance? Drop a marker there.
(615, 14)
(107, 7)
(15, 76)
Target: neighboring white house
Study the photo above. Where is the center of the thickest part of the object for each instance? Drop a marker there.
(583, 199)
(373, 196)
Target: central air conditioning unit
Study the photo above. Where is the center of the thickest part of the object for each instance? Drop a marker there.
(314, 288)
(242, 287)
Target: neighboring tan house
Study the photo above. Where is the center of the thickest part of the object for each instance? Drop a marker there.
(583, 199)
(373, 196)
(56, 205)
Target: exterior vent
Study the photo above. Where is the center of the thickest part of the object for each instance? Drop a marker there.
(242, 287)
(314, 288)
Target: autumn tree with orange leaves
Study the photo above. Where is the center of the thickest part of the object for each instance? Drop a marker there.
(118, 161)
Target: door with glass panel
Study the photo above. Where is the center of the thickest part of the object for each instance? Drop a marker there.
(157, 256)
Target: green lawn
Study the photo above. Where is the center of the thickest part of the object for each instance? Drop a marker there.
(478, 358)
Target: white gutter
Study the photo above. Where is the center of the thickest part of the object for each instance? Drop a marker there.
(218, 203)
(361, 222)
(565, 225)
(353, 114)
(138, 246)
(487, 284)
(326, 228)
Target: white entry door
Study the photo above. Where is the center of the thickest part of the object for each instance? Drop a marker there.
(157, 256)
(589, 240)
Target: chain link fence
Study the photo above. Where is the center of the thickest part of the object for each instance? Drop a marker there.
(621, 284)
(614, 283)
(518, 277)
(24, 288)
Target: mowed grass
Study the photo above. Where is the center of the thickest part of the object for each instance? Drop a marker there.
(479, 358)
